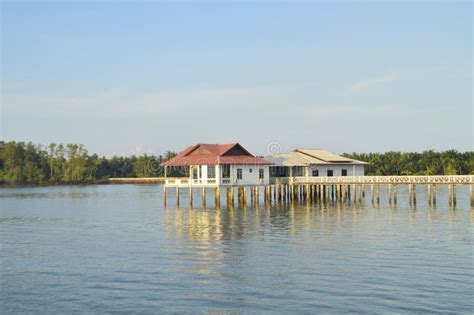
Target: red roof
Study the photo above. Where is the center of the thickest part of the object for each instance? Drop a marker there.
(200, 154)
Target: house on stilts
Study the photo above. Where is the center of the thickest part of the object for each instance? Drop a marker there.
(215, 165)
(312, 163)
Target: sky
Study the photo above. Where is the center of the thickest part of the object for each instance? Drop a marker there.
(146, 77)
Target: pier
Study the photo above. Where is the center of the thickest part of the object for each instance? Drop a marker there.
(325, 189)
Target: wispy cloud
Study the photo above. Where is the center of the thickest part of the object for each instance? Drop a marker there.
(366, 84)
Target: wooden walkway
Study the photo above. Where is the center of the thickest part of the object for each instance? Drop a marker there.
(338, 189)
(386, 180)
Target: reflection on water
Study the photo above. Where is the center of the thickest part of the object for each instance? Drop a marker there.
(116, 248)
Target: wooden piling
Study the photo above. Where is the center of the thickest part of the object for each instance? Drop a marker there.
(190, 196)
(372, 194)
(471, 195)
(164, 196)
(395, 194)
(414, 194)
(177, 196)
(454, 196)
(217, 197)
(389, 193)
(378, 194)
(428, 189)
(229, 193)
(203, 197)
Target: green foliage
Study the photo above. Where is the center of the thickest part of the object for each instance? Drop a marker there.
(146, 166)
(429, 162)
(26, 163)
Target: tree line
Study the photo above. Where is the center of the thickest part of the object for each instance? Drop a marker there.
(429, 162)
(28, 163)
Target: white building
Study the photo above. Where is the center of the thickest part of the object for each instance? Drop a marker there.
(212, 165)
(313, 162)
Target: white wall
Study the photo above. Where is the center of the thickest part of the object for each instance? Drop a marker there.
(249, 178)
(352, 170)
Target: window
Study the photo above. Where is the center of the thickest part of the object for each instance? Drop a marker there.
(239, 173)
(315, 172)
(226, 171)
(195, 172)
(330, 173)
(250, 170)
(202, 151)
(344, 172)
(211, 171)
(261, 173)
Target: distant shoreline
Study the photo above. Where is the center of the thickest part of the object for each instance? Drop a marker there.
(109, 181)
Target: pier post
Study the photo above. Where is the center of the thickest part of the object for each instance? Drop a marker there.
(414, 194)
(203, 197)
(177, 196)
(410, 195)
(390, 193)
(428, 189)
(229, 193)
(471, 194)
(190, 196)
(454, 196)
(354, 188)
(395, 194)
(217, 195)
(450, 195)
(378, 194)
(372, 193)
(164, 196)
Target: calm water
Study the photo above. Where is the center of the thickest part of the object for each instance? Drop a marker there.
(117, 249)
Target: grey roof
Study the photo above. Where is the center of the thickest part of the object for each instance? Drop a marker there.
(306, 157)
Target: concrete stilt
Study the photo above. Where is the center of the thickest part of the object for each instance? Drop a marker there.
(390, 194)
(203, 197)
(372, 193)
(378, 194)
(410, 194)
(414, 195)
(454, 196)
(395, 194)
(164, 196)
(177, 196)
(217, 197)
(428, 190)
(230, 196)
(190, 196)
(471, 195)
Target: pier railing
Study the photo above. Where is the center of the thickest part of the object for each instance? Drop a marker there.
(383, 180)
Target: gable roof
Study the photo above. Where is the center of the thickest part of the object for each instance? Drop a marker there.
(306, 157)
(215, 154)
(326, 156)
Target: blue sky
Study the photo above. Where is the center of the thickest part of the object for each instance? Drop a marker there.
(131, 78)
